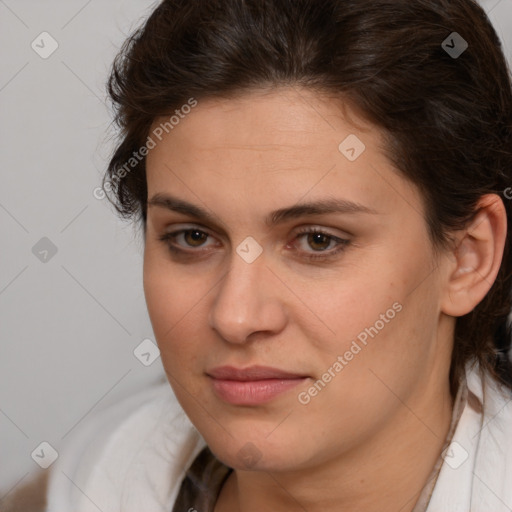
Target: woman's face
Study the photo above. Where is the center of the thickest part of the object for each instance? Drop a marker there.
(353, 311)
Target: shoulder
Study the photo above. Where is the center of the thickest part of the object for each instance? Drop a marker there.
(492, 399)
(492, 467)
(128, 454)
(477, 466)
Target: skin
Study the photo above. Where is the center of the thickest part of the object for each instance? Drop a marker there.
(369, 440)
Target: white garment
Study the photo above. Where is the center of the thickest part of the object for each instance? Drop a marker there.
(132, 457)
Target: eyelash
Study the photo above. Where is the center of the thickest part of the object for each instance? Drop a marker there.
(342, 243)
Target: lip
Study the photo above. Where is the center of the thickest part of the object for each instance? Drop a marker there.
(252, 386)
(251, 373)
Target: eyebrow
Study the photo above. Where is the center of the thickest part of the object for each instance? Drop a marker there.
(321, 207)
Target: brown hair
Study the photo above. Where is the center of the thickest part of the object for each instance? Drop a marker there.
(447, 117)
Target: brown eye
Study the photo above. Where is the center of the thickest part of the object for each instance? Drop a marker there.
(314, 244)
(319, 241)
(183, 239)
(194, 237)
(319, 245)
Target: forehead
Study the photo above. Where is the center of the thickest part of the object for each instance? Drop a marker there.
(274, 148)
(280, 119)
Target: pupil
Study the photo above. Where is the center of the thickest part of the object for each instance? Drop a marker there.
(318, 237)
(196, 236)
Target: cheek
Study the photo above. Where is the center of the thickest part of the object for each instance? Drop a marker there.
(169, 291)
(174, 316)
(390, 348)
(382, 323)
(359, 380)
(337, 314)
(159, 292)
(173, 302)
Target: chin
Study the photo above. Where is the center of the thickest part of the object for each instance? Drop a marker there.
(256, 455)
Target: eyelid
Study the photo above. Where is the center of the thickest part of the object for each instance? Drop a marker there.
(331, 231)
(298, 230)
(168, 235)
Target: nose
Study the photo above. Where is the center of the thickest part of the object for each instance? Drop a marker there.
(247, 301)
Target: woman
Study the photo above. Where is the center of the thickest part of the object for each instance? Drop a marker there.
(322, 187)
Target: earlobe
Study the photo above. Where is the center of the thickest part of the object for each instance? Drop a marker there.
(477, 257)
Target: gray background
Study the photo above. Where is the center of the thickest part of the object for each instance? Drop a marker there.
(69, 324)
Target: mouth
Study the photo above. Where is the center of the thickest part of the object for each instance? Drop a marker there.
(253, 385)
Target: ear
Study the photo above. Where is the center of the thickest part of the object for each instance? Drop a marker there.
(476, 257)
